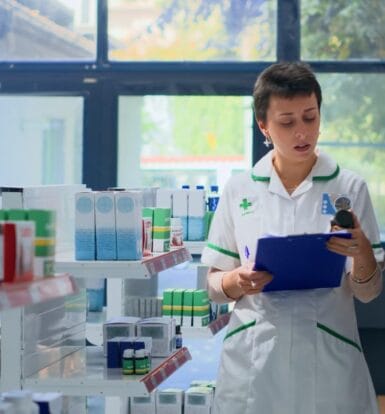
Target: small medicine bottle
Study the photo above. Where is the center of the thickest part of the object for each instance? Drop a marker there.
(141, 362)
(128, 362)
(213, 198)
(178, 337)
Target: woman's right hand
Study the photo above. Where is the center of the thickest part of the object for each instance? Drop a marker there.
(245, 281)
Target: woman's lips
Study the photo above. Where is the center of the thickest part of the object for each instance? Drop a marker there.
(302, 148)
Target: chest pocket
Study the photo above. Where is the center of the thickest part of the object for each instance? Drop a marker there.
(248, 218)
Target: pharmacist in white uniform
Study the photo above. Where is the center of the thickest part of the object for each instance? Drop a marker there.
(298, 351)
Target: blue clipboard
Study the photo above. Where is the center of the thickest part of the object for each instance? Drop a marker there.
(300, 261)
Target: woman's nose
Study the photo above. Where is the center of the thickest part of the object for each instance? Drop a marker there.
(300, 135)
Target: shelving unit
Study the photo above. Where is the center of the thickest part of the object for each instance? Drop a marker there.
(85, 373)
(15, 295)
(122, 269)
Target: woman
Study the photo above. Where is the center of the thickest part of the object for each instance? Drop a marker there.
(292, 352)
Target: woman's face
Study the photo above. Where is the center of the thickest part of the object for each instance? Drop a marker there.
(293, 126)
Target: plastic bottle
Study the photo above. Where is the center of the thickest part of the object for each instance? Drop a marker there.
(128, 362)
(213, 198)
(22, 402)
(178, 337)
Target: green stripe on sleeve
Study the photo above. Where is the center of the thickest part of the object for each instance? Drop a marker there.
(223, 251)
(338, 336)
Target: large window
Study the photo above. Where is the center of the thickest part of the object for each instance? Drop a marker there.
(47, 30)
(41, 140)
(194, 30)
(169, 141)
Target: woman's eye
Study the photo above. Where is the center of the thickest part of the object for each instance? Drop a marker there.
(287, 124)
(309, 119)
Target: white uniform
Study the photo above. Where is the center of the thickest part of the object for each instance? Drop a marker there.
(290, 352)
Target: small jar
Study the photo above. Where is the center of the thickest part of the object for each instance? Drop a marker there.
(141, 362)
(128, 362)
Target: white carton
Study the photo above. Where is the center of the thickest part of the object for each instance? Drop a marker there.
(198, 400)
(129, 230)
(180, 202)
(85, 247)
(196, 215)
(105, 225)
(121, 326)
(164, 198)
(162, 332)
(169, 401)
(143, 405)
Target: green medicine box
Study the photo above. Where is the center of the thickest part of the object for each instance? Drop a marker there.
(201, 308)
(167, 302)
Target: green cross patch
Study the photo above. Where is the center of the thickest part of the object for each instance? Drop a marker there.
(245, 204)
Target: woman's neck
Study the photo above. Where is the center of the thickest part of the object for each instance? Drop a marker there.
(292, 174)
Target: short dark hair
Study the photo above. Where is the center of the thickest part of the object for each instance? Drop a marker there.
(286, 80)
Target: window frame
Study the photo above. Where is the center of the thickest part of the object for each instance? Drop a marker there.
(101, 82)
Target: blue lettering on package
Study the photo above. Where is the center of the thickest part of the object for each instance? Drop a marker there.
(327, 204)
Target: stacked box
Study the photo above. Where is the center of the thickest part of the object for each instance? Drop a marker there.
(164, 198)
(148, 218)
(167, 304)
(143, 405)
(122, 326)
(187, 311)
(105, 225)
(128, 212)
(196, 215)
(198, 400)
(177, 305)
(45, 235)
(169, 401)
(161, 230)
(85, 244)
(201, 308)
(162, 332)
(180, 209)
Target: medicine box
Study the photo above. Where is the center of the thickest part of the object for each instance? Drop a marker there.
(105, 225)
(196, 215)
(161, 230)
(180, 209)
(201, 308)
(162, 332)
(49, 402)
(128, 215)
(85, 247)
(122, 326)
(143, 405)
(198, 400)
(169, 401)
(148, 218)
(164, 198)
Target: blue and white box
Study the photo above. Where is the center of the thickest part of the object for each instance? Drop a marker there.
(85, 246)
(129, 227)
(196, 215)
(105, 225)
(49, 402)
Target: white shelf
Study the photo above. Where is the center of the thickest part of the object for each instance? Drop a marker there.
(122, 269)
(84, 373)
(195, 248)
(19, 294)
(207, 331)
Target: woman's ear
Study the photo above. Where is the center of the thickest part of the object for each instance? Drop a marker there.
(263, 128)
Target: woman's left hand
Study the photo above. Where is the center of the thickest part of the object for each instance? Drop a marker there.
(357, 246)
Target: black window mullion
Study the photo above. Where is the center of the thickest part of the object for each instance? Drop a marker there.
(102, 33)
(288, 30)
